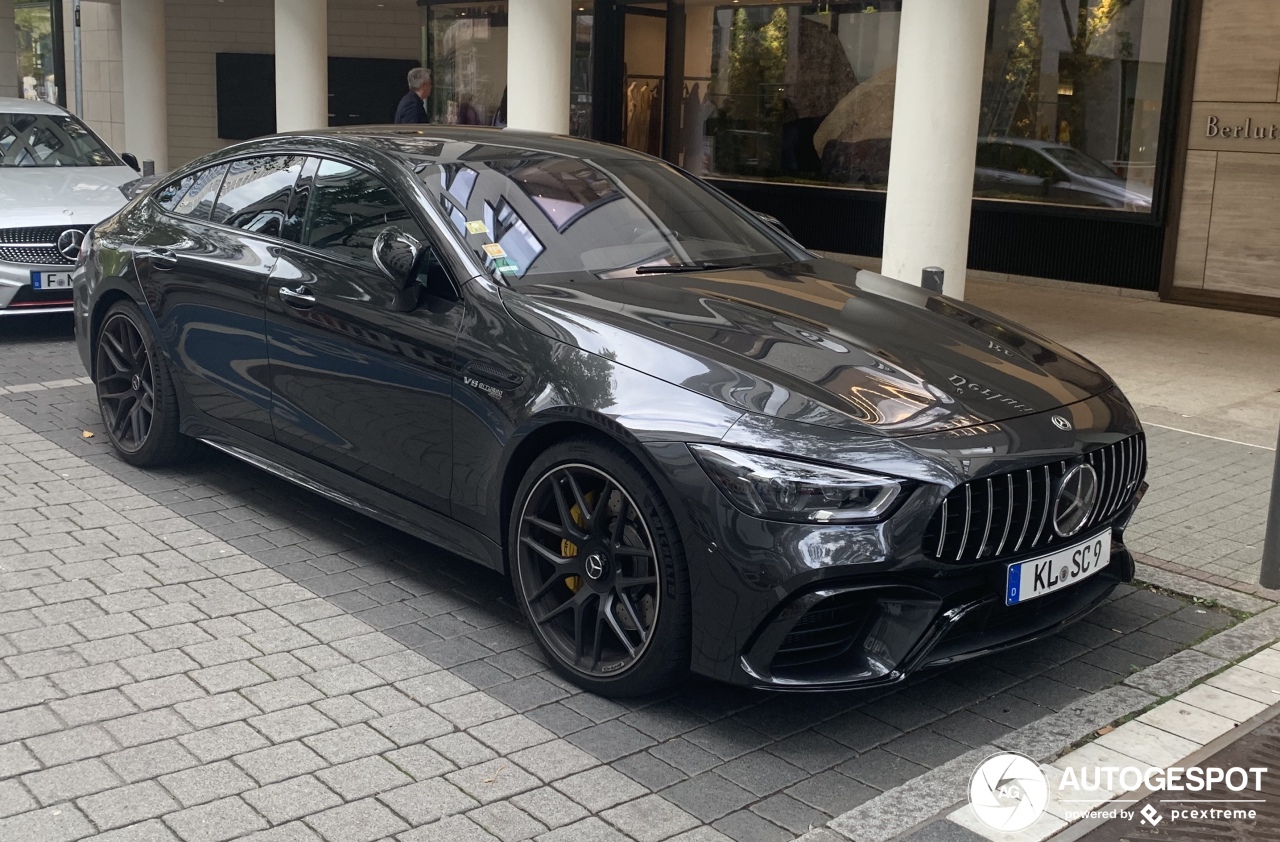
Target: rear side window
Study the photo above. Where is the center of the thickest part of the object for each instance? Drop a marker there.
(196, 200)
(255, 193)
(348, 208)
(169, 195)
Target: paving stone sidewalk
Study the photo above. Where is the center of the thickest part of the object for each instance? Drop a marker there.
(1206, 509)
(207, 652)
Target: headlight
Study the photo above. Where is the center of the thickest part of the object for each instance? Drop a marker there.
(785, 489)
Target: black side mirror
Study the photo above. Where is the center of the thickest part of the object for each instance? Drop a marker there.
(397, 254)
(132, 160)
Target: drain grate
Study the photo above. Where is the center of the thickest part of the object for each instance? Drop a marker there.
(1261, 748)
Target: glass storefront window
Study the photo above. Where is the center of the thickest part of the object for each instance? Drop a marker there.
(803, 93)
(580, 71)
(36, 62)
(467, 56)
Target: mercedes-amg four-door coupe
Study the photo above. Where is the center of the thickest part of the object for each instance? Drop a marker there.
(690, 443)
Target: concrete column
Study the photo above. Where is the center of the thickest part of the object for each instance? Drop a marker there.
(10, 84)
(302, 65)
(539, 48)
(935, 126)
(145, 66)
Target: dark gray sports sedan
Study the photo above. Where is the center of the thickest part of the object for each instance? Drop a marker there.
(690, 443)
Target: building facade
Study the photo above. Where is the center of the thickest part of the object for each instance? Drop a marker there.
(1121, 143)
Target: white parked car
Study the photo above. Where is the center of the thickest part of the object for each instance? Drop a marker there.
(57, 179)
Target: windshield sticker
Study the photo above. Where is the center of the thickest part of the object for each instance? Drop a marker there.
(477, 227)
(494, 250)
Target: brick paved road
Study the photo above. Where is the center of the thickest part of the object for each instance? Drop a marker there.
(208, 652)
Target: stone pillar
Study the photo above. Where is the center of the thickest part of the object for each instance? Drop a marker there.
(935, 125)
(539, 48)
(302, 65)
(10, 84)
(145, 70)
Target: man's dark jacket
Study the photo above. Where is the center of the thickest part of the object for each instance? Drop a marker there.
(411, 110)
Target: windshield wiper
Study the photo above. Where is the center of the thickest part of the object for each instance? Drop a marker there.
(685, 267)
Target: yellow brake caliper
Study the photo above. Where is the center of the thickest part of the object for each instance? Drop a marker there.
(568, 549)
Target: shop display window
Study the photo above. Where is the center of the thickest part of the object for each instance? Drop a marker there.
(803, 93)
(37, 60)
(467, 55)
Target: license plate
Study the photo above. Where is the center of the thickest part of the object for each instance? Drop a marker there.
(1062, 569)
(51, 280)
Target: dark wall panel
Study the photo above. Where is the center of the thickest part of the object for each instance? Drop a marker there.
(362, 91)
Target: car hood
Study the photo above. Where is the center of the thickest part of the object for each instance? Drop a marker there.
(38, 196)
(818, 343)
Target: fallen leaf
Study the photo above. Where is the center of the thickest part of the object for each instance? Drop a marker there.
(86, 434)
(1102, 732)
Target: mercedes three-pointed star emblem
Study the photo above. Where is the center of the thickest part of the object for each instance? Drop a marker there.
(1077, 494)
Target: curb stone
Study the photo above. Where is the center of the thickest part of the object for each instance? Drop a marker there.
(1241, 639)
(933, 794)
(1175, 673)
(1188, 586)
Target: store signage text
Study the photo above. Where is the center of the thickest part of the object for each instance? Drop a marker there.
(1248, 131)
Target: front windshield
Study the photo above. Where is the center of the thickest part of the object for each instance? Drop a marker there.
(50, 140)
(1079, 163)
(527, 214)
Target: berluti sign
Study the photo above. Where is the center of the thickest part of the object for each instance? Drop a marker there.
(1235, 126)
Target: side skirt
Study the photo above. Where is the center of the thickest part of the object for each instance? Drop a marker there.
(360, 497)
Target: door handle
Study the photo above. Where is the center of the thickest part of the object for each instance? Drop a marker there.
(301, 298)
(162, 259)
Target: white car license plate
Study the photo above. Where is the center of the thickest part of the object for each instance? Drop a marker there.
(51, 280)
(1044, 575)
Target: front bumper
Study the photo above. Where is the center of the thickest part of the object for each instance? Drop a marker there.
(867, 633)
(18, 298)
(823, 607)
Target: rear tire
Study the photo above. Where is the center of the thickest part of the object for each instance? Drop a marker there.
(599, 571)
(135, 392)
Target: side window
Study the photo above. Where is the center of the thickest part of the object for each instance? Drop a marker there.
(295, 217)
(197, 202)
(1030, 162)
(255, 193)
(988, 155)
(169, 195)
(348, 208)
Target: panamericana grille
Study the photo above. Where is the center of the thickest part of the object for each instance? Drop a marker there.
(35, 246)
(1011, 513)
(827, 631)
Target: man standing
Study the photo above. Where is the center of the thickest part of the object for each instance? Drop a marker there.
(412, 108)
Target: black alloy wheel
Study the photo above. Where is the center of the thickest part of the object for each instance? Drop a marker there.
(135, 394)
(592, 560)
(126, 383)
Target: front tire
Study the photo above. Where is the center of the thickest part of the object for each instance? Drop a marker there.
(135, 392)
(599, 571)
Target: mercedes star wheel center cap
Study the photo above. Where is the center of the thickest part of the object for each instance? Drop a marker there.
(595, 566)
(1077, 495)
